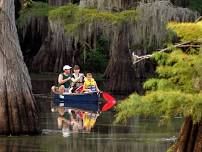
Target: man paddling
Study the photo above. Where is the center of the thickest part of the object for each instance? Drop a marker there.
(65, 79)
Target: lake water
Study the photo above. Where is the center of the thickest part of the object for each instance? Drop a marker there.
(138, 135)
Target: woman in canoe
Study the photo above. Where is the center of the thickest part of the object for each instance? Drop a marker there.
(65, 81)
(78, 79)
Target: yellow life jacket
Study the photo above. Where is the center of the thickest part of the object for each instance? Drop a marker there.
(90, 84)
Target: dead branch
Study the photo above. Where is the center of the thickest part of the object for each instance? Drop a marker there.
(199, 19)
(192, 46)
(137, 58)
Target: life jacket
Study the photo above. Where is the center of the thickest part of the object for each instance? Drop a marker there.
(66, 84)
(91, 85)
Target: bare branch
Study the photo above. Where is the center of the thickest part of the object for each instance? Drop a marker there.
(199, 19)
(137, 58)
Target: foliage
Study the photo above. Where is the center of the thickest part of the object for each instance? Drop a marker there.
(37, 9)
(73, 16)
(96, 60)
(165, 104)
(177, 88)
(187, 31)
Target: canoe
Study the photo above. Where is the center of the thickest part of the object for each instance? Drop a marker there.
(85, 101)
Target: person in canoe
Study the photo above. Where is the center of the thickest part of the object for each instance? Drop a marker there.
(90, 84)
(78, 79)
(65, 80)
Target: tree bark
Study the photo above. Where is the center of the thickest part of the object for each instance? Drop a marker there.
(120, 71)
(55, 51)
(31, 42)
(18, 110)
(190, 137)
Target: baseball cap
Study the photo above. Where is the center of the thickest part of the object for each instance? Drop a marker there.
(66, 67)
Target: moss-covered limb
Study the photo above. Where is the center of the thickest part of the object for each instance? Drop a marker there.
(35, 9)
(73, 16)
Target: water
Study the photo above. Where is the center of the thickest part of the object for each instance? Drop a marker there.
(139, 135)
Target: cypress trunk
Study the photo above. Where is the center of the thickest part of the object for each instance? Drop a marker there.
(18, 111)
(190, 137)
(120, 71)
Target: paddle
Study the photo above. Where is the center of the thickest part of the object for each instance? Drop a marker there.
(111, 101)
(79, 89)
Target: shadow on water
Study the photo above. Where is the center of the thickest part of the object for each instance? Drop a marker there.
(139, 135)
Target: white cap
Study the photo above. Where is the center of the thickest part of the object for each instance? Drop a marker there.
(66, 67)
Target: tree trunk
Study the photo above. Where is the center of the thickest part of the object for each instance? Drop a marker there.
(190, 137)
(120, 70)
(18, 111)
(31, 42)
(55, 52)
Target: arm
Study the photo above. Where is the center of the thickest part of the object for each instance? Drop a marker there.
(77, 79)
(61, 81)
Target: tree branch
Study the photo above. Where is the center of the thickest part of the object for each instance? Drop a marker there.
(137, 58)
(199, 19)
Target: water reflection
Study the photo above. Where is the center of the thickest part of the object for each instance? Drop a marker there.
(93, 142)
(140, 135)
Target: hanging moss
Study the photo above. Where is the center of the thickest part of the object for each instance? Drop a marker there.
(113, 5)
(73, 17)
(150, 30)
